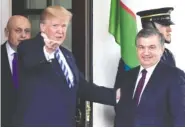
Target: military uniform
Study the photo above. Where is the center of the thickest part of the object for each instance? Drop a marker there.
(168, 57)
(160, 16)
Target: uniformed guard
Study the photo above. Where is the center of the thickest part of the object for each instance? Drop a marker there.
(160, 19)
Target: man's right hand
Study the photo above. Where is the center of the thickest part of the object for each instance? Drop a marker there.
(50, 45)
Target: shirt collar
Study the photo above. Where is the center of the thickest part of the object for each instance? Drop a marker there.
(10, 51)
(150, 69)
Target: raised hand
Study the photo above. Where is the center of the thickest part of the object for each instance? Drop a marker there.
(50, 45)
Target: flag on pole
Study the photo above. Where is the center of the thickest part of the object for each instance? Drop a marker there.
(122, 25)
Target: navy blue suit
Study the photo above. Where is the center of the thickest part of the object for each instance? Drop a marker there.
(45, 97)
(166, 58)
(162, 102)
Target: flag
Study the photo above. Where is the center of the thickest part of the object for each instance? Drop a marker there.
(122, 25)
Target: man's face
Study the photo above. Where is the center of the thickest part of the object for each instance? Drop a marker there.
(55, 29)
(19, 30)
(149, 50)
(165, 30)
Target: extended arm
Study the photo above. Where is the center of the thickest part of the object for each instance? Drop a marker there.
(92, 92)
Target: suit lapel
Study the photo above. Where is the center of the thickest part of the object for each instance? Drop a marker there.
(6, 66)
(154, 82)
(4, 56)
(135, 74)
(155, 79)
(130, 82)
(57, 68)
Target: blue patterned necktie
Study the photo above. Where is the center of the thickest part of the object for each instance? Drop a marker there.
(64, 69)
(140, 86)
(15, 70)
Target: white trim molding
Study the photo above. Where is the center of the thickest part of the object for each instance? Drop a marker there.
(5, 13)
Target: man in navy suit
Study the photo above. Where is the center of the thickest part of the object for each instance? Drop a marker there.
(18, 28)
(50, 80)
(160, 20)
(154, 92)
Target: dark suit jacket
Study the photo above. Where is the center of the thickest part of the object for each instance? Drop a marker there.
(8, 92)
(120, 72)
(166, 58)
(162, 102)
(45, 98)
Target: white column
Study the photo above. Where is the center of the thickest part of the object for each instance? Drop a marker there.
(106, 55)
(5, 13)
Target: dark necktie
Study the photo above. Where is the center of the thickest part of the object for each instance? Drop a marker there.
(15, 70)
(140, 86)
(64, 69)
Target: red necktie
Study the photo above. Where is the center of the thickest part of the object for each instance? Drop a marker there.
(140, 86)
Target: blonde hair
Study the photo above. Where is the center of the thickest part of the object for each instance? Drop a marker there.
(54, 12)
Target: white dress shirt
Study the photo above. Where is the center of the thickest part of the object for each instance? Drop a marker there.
(148, 75)
(50, 56)
(10, 53)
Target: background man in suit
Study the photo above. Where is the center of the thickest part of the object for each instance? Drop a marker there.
(18, 28)
(51, 80)
(154, 92)
(158, 19)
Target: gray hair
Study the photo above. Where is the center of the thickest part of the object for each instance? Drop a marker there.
(147, 32)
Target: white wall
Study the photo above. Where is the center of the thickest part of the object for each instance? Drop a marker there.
(106, 55)
(5, 13)
(106, 52)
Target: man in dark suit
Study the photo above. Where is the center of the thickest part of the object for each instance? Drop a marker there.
(17, 29)
(51, 80)
(158, 19)
(154, 92)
